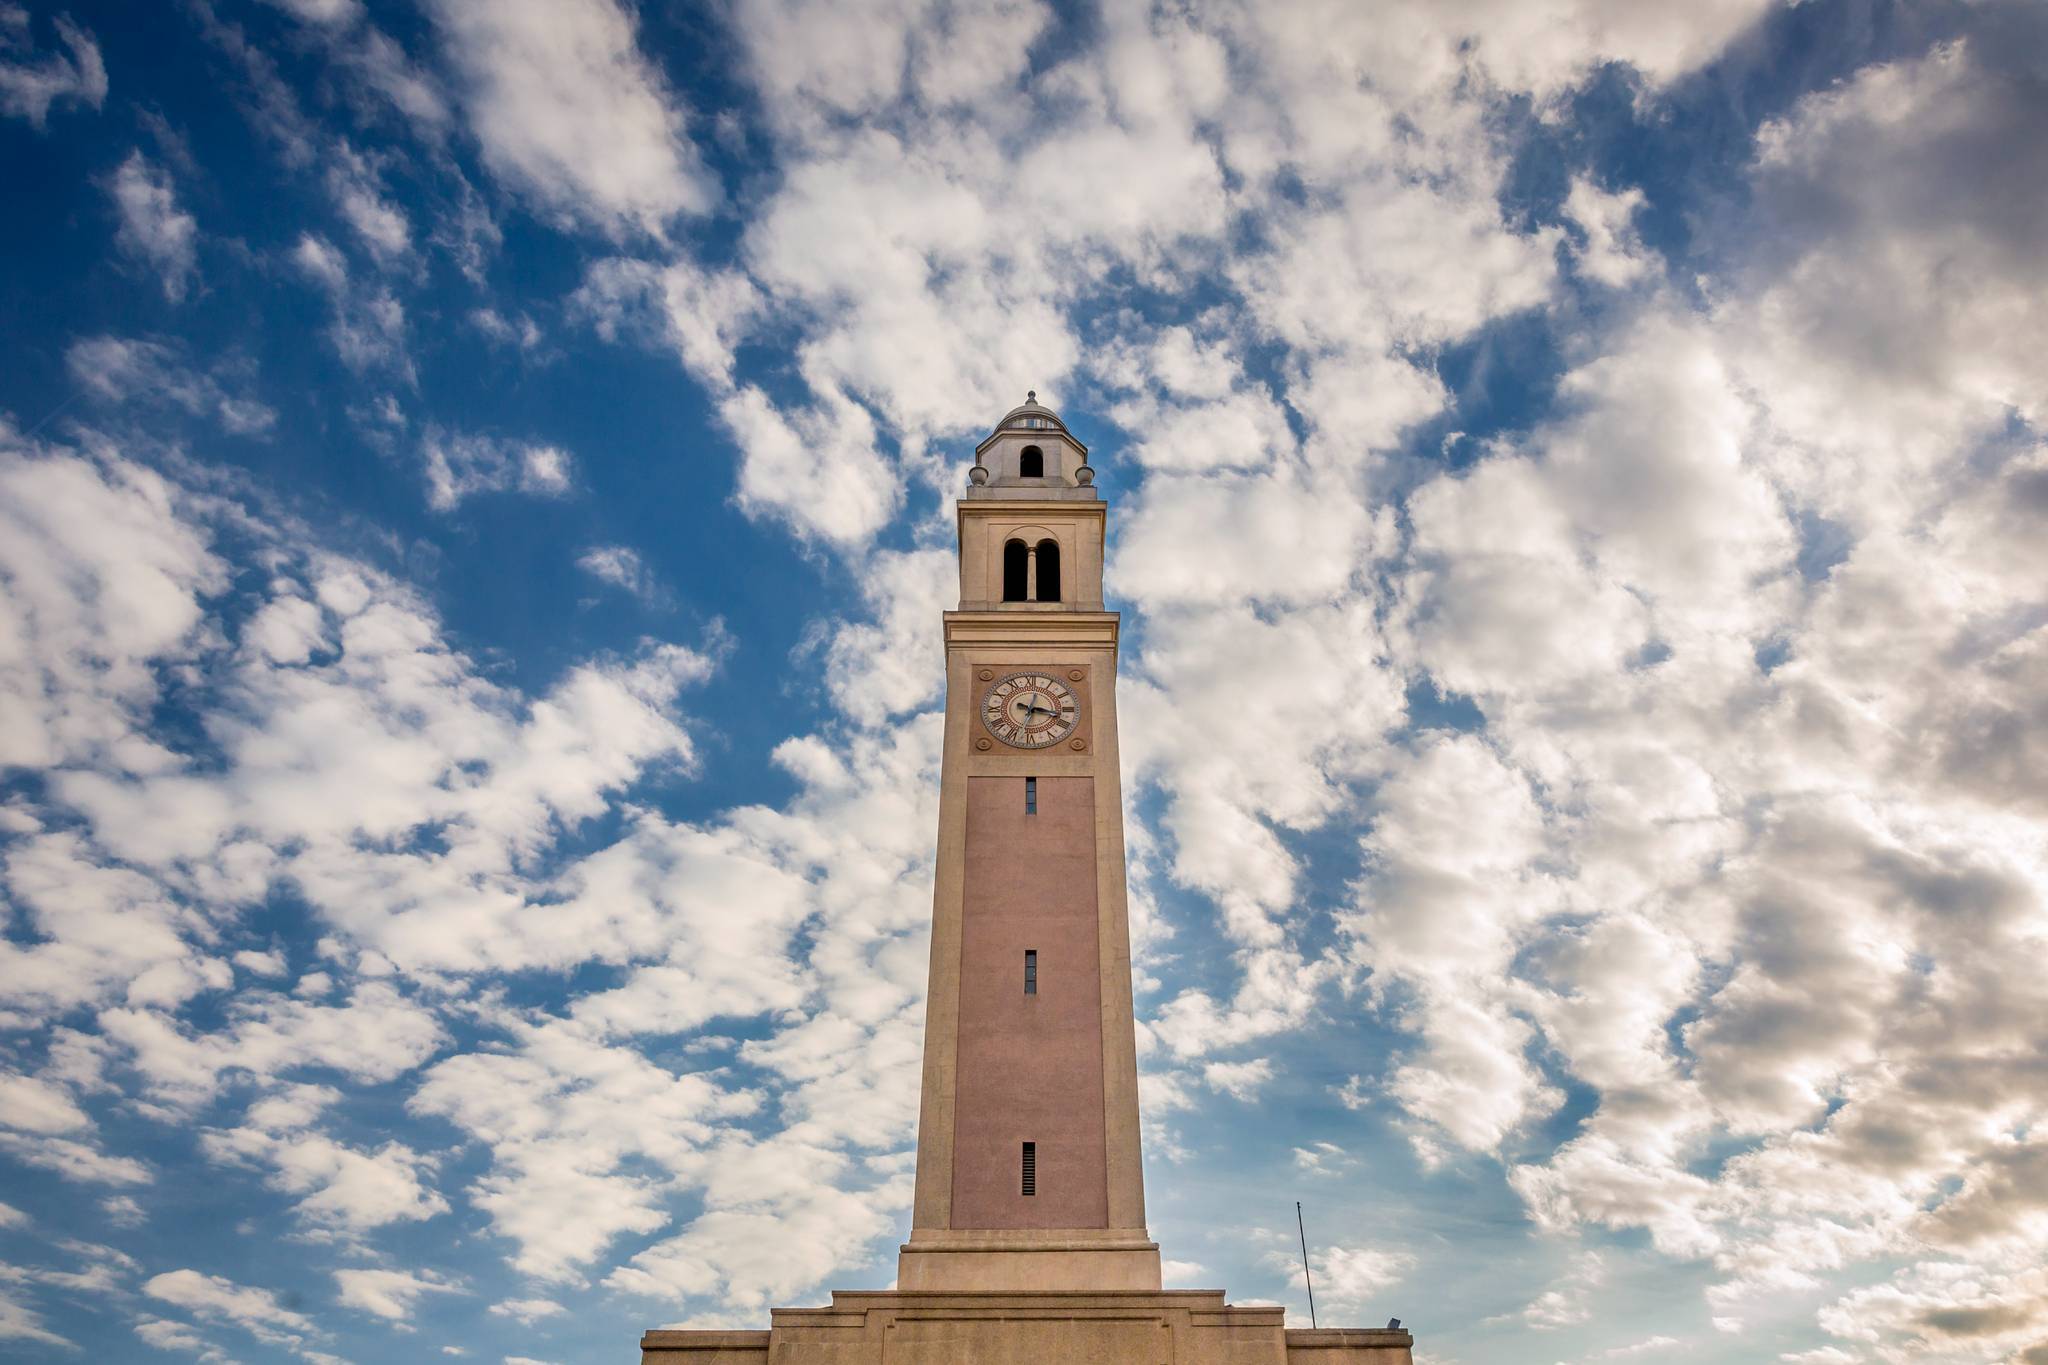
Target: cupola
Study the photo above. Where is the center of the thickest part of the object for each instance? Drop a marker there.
(1031, 454)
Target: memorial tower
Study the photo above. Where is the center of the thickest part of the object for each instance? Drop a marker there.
(1027, 1240)
(1029, 1174)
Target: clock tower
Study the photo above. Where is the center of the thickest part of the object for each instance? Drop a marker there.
(1027, 1232)
(1029, 1174)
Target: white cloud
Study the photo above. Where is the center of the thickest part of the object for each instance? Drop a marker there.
(334, 641)
(815, 56)
(368, 330)
(818, 469)
(622, 567)
(1324, 705)
(569, 112)
(267, 964)
(1568, 1302)
(521, 331)
(886, 665)
(152, 373)
(1395, 264)
(1350, 1276)
(702, 314)
(1612, 254)
(215, 1294)
(1286, 536)
(154, 230)
(355, 186)
(527, 1312)
(80, 661)
(1323, 1158)
(1276, 993)
(34, 1106)
(1944, 1311)
(215, 1298)
(322, 11)
(76, 1160)
(757, 1195)
(20, 1322)
(345, 1189)
(376, 75)
(321, 263)
(1239, 1080)
(124, 1211)
(1667, 834)
(462, 464)
(375, 1035)
(29, 87)
(578, 1121)
(103, 1270)
(164, 1335)
(329, 673)
(389, 1294)
(556, 1115)
(1347, 1278)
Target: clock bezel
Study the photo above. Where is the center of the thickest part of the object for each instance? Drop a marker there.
(1043, 679)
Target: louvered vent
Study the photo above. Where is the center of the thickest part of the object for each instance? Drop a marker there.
(1030, 1168)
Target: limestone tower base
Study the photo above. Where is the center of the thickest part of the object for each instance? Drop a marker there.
(995, 1327)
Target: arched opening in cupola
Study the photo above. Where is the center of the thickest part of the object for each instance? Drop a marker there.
(1048, 571)
(1016, 571)
(1030, 463)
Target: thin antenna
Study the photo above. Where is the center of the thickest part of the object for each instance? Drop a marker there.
(1306, 1277)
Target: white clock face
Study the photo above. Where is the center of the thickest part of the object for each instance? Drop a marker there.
(1030, 710)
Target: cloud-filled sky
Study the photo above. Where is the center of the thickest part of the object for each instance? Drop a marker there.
(475, 508)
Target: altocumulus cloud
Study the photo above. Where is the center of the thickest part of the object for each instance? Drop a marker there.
(1630, 795)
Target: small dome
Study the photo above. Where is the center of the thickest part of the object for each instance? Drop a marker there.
(1034, 423)
(1031, 415)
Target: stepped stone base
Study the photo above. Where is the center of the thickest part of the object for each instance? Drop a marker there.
(1100, 1327)
(1073, 1260)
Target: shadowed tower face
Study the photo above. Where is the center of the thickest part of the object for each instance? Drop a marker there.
(1029, 1173)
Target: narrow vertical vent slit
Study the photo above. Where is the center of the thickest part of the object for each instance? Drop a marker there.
(1030, 1168)
(1031, 796)
(1031, 971)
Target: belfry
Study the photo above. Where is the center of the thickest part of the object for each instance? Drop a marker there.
(1028, 1240)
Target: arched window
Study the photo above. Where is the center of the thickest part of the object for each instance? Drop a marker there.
(1016, 564)
(1030, 463)
(1048, 571)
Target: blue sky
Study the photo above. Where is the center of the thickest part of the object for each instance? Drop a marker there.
(475, 507)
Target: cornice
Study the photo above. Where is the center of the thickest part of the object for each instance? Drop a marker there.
(1032, 630)
(1095, 507)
